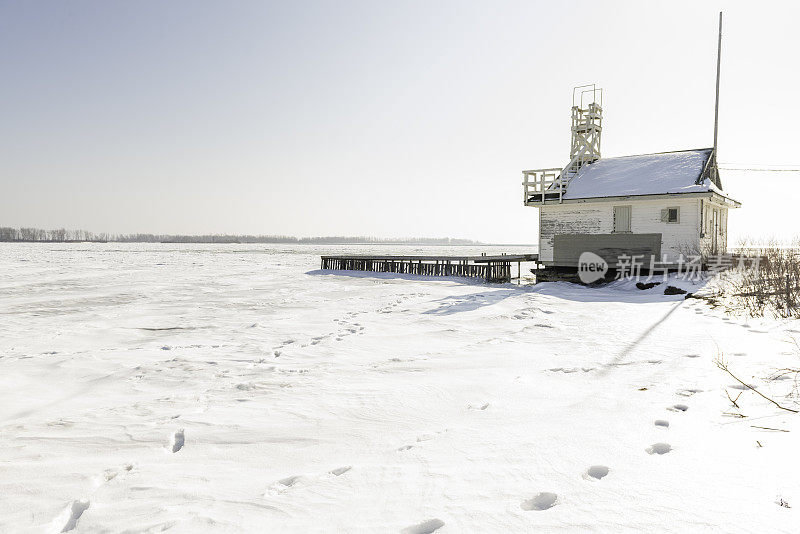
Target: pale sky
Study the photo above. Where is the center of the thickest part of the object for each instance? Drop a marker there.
(373, 118)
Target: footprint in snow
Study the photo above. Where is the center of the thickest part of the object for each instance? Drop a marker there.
(661, 423)
(290, 481)
(659, 448)
(283, 485)
(426, 527)
(176, 441)
(405, 448)
(69, 517)
(564, 369)
(541, 501)
(678, 408)
(597, 472)
(688, 392)
(340, 470)
(481, 407)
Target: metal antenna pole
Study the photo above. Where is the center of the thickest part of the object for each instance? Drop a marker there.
(716, 104)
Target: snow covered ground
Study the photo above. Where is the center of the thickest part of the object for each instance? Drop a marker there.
(229, 388)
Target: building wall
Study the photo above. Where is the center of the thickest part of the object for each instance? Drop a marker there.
(597, 218)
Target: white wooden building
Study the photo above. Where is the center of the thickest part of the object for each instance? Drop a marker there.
(660, 205)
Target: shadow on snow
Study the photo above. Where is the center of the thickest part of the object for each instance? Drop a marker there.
(616, 291)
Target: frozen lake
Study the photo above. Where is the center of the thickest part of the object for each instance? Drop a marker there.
(231, 387)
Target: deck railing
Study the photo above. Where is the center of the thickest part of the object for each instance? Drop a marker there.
(541, 183)
(551, 184)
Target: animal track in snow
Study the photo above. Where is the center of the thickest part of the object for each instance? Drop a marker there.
(541, 501)
(659, 448)
(71, 514)
(476, 407)
(678, 408)
(692, 355)
(176, 441)
(688, 392)
(111, 474)
(661, 422)
(426, 527)
(597, 471)
(405, 448)
(340, 470)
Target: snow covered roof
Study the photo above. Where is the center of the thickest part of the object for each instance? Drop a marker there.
(647, 174)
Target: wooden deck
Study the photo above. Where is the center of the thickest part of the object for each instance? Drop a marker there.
(487, 268)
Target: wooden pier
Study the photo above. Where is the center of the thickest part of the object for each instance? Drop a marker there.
(487, 268)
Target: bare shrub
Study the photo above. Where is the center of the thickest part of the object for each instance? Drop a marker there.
(765, 280)
(723, 365)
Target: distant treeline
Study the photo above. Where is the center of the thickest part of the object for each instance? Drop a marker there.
(49, 236)
(38, 235)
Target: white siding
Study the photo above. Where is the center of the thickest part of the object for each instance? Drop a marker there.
(598, 218)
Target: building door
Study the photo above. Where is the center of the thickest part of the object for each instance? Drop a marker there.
(715, 231)
(622, 219)
(723, 231)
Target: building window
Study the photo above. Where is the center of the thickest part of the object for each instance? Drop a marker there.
(622, 219)
(671, 215)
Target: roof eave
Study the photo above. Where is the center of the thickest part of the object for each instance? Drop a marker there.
(697, 194)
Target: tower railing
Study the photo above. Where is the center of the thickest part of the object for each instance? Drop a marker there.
(586, 129)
